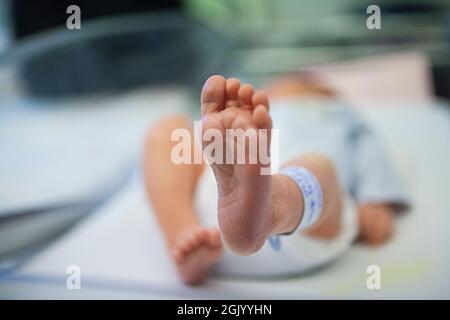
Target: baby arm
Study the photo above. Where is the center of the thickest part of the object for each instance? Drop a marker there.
(376, 188)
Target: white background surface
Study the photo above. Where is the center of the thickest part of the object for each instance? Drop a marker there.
(121, 255)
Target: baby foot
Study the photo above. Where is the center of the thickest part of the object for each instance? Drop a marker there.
(244, 204)
(194, 252)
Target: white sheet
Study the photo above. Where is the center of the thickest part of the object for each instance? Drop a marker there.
(121, 255)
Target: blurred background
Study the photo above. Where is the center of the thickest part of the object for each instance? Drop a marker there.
(75, 104)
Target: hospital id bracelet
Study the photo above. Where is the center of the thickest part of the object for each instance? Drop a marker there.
(312, 200)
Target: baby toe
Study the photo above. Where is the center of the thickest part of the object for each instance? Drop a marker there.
(260, 98)
(231, 88)
(177, 255)
(214, 238)
(213, 94)
(261, 117)
(245, 95)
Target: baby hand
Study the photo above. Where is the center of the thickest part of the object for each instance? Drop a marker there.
(375, 223)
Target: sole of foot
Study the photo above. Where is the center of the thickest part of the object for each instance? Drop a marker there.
(244, 205)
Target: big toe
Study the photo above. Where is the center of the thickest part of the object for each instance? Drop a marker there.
(214, 239)
(213, 94)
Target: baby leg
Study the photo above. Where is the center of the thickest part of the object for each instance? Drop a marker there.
(171, 188)
(251, 206)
